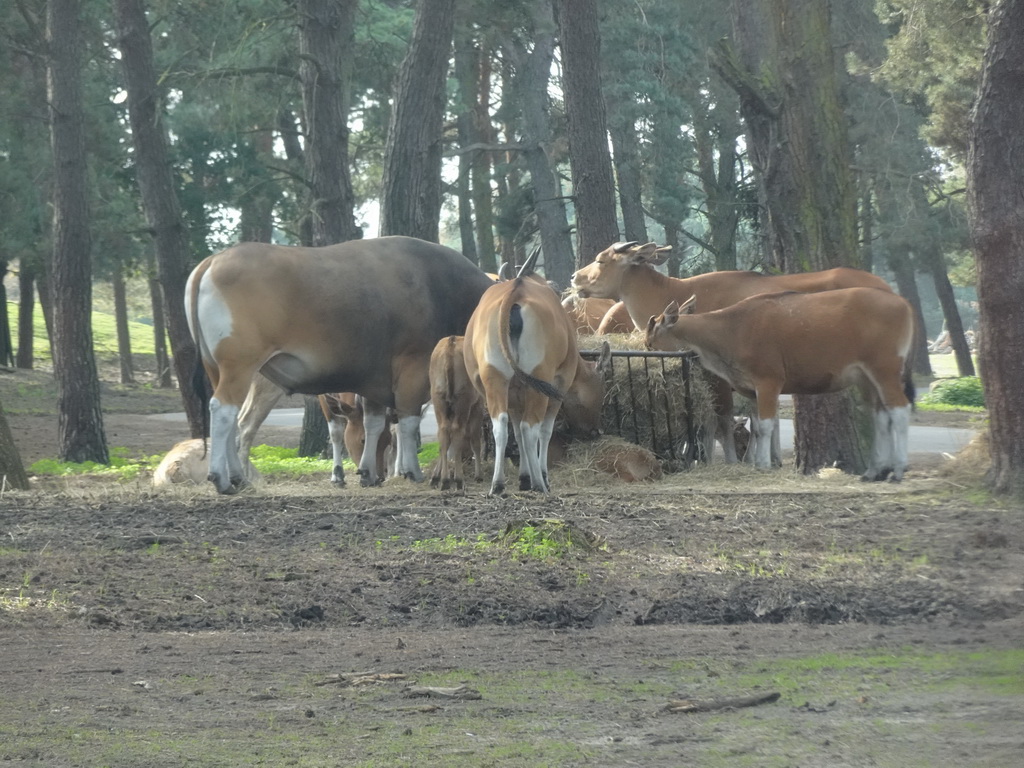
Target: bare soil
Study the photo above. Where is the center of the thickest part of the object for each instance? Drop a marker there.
(144, 628)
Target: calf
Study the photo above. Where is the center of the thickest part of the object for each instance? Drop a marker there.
(797, 343)
(344, 414)
(189, 463)
(459, 412)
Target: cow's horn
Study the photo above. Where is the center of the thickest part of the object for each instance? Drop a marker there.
(505, 271)
(531, 263)
(620, 247)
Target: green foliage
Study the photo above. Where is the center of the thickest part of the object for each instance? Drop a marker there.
(274, 461)
(962, 392)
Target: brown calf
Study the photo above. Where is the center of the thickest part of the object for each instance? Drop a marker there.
(459, 412)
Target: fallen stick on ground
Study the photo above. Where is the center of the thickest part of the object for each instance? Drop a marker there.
(688, 705)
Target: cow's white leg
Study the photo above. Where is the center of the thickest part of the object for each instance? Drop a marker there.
(529, 456)
(374, 424)
(408, 463)
(499, 428)
(263, 396)
(900, 425)
(776, 443)
(225, 468)
(336, 430)
(761, 436)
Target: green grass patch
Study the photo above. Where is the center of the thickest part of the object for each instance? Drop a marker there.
(104, 333)
(964, 392)
(272, 461)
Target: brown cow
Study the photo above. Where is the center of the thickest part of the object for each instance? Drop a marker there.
(361, 316)
(459, 412)
(625, 271)
(808, 344)
(522, 357)
(616, 320)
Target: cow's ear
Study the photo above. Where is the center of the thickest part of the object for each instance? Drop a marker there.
(653, 254)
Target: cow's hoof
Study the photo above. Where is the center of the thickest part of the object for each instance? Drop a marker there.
(338, 477)
(366, 481)
(497, 490)
(525, 483)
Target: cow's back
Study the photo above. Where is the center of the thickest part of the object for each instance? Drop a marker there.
(345, 311)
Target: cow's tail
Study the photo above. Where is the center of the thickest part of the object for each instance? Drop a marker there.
(200, 381)
(511, 328)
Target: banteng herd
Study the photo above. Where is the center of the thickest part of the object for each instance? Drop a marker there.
(379, 328)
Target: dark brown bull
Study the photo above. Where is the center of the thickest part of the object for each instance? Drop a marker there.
(361, 316)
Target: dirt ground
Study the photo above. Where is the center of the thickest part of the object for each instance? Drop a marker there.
(284, 626)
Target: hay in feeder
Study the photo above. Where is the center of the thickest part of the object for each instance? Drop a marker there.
(657, 402)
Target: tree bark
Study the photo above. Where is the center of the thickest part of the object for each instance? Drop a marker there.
(411, 193)
(903, 270)
(156, 300)
(995, 187)
(124, 341)
(593, 187)
(466, 72)
(12, 469)
(483, 200)
(797, 136)
(626, 159)
(533, 77)
(327, 51)
(80, 419)
(950, 312)
(25, 357)
(159, 199)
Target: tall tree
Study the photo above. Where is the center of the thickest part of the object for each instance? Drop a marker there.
(326, 37)
(797, 135)
(995, 190)
(159, 199)
(593, 186)
(533, 71)
(411, 188)
(326, 50)
(80, 420)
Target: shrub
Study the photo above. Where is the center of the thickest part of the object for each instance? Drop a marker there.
(964, 392)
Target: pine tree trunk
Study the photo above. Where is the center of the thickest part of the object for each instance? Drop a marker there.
(12, 470)
(411, 188)
(797, 136)
(327, 49)
(159, 198)
(124, 341)
(6, 345)
(466, 71)
(483, 202)
(593, 187)
(950, 311)
(533, 74)
(26, 318)
(156, 300)
(903, 270)
(995, 188)
(79, 417)
(315, 436)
